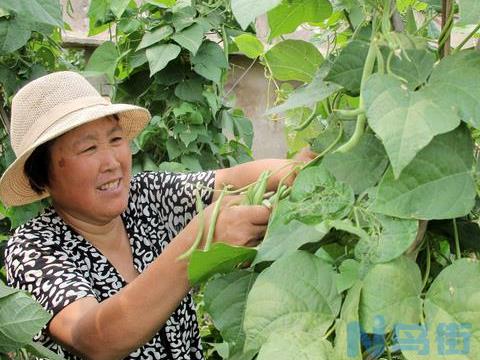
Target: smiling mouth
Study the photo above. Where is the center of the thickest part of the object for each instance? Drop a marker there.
(112, 185)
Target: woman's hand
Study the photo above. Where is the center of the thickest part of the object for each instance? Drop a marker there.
(239, 225)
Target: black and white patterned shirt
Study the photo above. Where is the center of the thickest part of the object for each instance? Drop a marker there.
(49, 259)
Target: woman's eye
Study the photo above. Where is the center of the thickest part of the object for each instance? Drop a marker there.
(117, 139)
(90, 148)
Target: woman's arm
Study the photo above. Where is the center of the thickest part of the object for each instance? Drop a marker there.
(119, 325)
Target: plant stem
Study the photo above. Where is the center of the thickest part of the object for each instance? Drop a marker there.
(469, 36)
(367, 71)
(308, 120)
(427, 269)
(447, 24)
(326, 151)
(458, 252)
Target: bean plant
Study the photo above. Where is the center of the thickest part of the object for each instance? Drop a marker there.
(373, 254)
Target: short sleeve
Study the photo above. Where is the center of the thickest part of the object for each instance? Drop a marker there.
(38, 265)
(171, 195)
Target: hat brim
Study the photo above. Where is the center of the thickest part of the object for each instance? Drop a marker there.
(15, 189)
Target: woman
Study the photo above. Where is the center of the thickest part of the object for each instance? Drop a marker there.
(103, 259)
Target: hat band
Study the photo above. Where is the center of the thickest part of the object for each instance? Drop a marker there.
(56, 113)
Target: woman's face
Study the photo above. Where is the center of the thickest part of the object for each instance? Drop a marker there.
(90, 171)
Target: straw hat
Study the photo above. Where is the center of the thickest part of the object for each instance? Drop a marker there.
(48, 107)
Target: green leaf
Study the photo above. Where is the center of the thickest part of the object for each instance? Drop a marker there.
(391, 293)
(362, 167)
(286, 345)
(151, 38)
(42, 352)
(225, 300)
(209, 61)
(348, 66)
(249, 45)
(245, 11)
(347, 328)
(308, 95)
(190, 38)
(285, 238)
(389, 239)
(40, 11)
(405, 121)
(6, 291)
(349, 274)
(162, 3)
(451, 312)
(319, 197)
(21, 318)
(286, 17)
(191, 162)
(438, 183)
(413, 65)
(454, 81)
(104, 60)
(14, 34)
(221, 258)
(469, 12)
(118, 7)
(190, 90)
(273, 304)
(160, 55)
(294, 60)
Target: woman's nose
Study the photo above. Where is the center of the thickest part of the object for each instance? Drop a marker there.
(109, 160)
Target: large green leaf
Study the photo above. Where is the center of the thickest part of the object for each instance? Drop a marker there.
(39, 11)
(245, 11)
(452, 321)
(14, 34)
(104, 59)
(5, 290)
(118, 7)
(438, 183)
(455, 82)
(190, 90)
(301, 345)
(285, 238)
(42, 352)
(469, 11)
(308, 95)
(160, 55)
(319, 197)
(413, 65)
(151, 38)
(249, 45)
(220, 258)
(348, 66)
(286, 17)
(388, 239)
(391, 295)
(405, 121)
(347, 328)
(297, 293)
(361, 167)
(225, 300)
(21, 318)
(294, 60)
(190, 38)
(209, 61)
